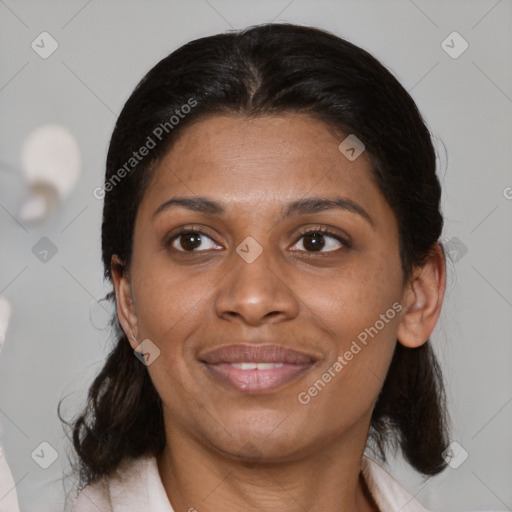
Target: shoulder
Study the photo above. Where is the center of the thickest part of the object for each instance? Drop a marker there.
(132, 487)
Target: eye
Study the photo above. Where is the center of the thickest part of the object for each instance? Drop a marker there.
(190, 240)
(315, 240)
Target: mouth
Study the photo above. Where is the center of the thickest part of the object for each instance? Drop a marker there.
(256, 368)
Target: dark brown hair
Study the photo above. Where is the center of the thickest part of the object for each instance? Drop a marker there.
(264, 70)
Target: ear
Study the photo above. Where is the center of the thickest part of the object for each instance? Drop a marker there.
(423, 299)
(124, 300)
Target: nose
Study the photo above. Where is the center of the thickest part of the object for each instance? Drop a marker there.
(256, 293)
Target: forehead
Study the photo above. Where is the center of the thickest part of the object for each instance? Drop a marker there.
(251, 162)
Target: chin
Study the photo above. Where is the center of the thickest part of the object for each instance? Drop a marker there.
(271, 443)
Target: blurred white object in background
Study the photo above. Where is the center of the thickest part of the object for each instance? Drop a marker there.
(5, 315)
(8, 494)
(51, 165)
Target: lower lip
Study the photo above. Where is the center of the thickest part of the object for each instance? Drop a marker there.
(256, 381)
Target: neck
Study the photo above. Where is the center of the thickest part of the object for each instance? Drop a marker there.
(328, 477)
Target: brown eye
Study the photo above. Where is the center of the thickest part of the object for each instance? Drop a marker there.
(318, 239)
(189, 240)
(314, 241)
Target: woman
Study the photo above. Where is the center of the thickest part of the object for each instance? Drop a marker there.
(271, 229)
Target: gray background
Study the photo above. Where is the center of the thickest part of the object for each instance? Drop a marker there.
(53, 350)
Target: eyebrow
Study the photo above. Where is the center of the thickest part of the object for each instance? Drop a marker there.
(302, 206)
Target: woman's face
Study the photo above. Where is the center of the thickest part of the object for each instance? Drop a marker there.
(252, 277)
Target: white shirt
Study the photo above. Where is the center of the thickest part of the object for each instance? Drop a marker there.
(136, 486)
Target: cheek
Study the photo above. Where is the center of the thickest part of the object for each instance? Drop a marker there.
(169, 305)
(355, 296)
(358, 311)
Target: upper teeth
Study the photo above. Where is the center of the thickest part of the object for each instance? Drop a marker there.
(256, 366)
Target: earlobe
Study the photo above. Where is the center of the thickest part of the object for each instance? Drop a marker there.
(124, 300)
(423, 300)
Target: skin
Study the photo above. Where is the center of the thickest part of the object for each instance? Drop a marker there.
(227, 450)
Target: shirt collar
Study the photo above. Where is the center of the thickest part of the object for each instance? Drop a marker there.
(137, 483)
(388, 494)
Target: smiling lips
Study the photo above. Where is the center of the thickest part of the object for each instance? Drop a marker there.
(256, 368)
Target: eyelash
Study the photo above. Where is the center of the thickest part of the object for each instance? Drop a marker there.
(316, 230)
